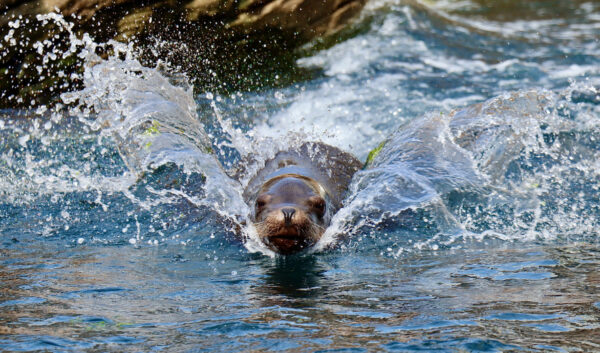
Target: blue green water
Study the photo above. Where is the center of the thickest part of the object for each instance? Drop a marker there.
(473, 229)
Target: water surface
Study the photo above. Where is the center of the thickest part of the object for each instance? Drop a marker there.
(473, 229)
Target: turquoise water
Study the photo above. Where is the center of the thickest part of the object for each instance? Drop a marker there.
(473, 229)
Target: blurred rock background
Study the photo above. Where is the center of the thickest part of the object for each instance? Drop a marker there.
(218, 44)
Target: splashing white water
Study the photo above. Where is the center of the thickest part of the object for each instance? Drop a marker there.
(152, 121)
(511, 168)
(494, 158)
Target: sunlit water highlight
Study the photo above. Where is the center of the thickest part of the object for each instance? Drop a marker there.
(474, 228)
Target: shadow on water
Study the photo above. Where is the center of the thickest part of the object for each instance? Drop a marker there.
(295, 277)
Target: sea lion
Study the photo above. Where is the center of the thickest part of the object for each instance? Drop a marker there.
(294, 196)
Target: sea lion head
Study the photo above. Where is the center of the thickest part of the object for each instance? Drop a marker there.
(291, 213)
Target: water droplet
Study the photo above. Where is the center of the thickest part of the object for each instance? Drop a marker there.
(23, 140)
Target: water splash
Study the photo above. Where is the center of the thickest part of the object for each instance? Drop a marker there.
(517, 167)
(137, 144)
(125, 114)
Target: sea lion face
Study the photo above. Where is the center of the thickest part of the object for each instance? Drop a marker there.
(289, 214)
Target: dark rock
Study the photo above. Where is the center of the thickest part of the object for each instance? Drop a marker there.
(231, 44)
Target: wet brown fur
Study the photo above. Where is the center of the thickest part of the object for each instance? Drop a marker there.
(310, 180)
(307, 223)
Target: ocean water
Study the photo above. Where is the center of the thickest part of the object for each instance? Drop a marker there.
(473, 228)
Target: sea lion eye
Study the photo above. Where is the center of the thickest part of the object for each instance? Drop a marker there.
(261, 201)
(318, 204)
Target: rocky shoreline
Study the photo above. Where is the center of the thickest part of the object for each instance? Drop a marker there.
(236, 41)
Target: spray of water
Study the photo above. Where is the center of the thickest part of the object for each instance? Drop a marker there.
(519, 166)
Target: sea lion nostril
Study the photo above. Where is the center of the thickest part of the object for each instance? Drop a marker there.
(287, 214)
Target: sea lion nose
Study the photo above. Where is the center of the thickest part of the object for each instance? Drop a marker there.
(287, 215)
